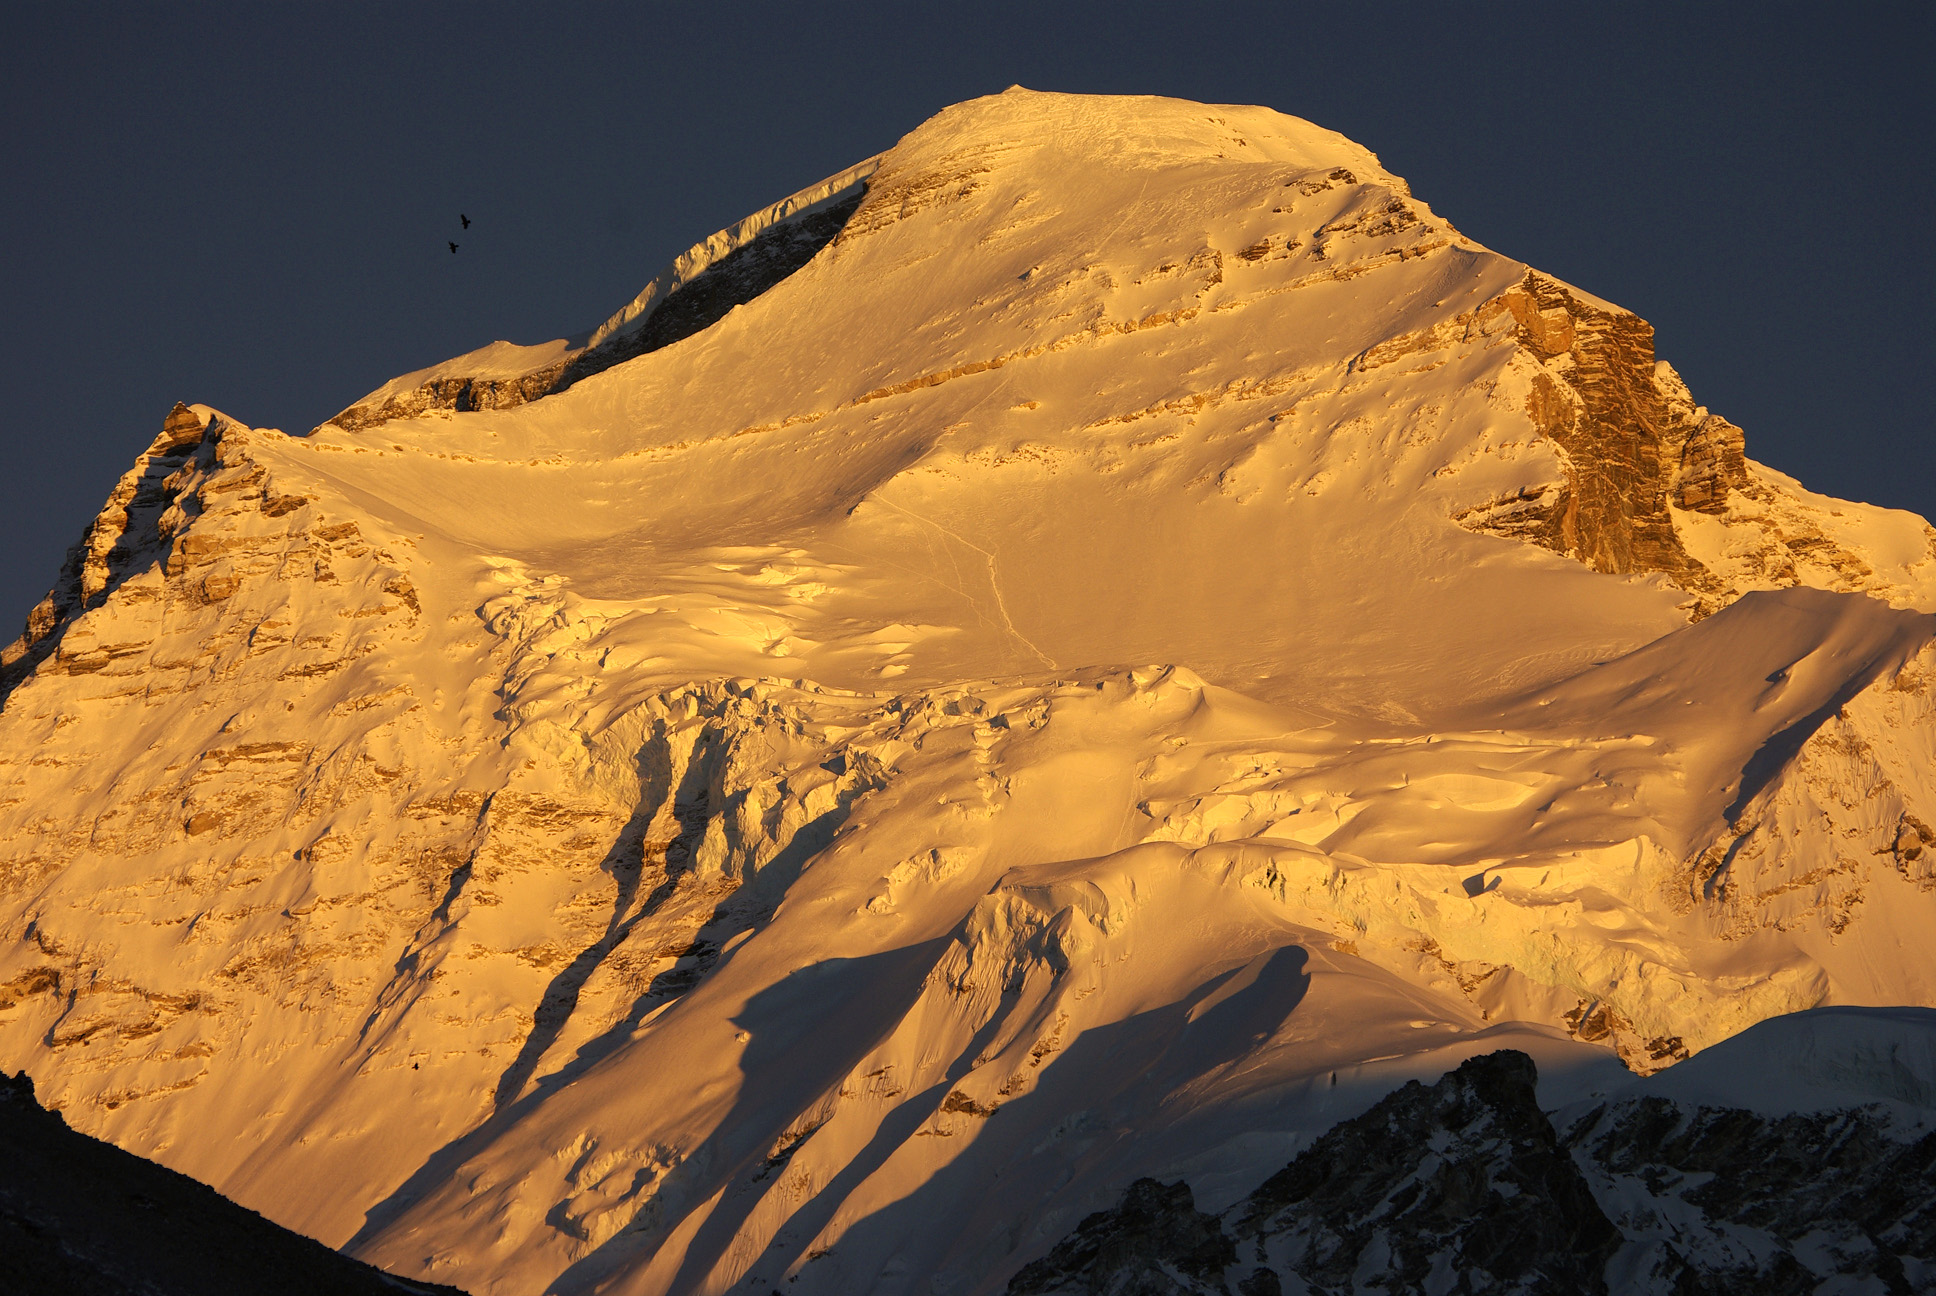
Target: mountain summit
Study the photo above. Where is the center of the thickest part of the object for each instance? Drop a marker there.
(1093, 646)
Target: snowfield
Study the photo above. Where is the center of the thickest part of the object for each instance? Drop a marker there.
(1145, 642)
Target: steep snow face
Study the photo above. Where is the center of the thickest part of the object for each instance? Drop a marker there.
(1144, 642)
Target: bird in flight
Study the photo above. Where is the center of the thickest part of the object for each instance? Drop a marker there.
(467, 220)
(453, 247)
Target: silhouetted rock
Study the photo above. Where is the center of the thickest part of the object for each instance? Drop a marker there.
(1157, 1241)
(79, 1217)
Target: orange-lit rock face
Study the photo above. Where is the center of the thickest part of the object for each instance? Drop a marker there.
(1633, 443)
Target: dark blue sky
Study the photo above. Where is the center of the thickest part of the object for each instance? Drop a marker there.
(248, 205)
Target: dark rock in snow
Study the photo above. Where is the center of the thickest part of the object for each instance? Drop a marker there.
(1724, 1200)
(1464, 1187)
(1459, 1187)
(1157, 1241)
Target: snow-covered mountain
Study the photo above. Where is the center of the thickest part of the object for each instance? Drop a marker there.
(1093, 646)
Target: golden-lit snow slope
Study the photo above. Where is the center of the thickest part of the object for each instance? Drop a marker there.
(1147, 640)
(1084, 381)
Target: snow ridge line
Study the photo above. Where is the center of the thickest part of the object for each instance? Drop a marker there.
(695, 260)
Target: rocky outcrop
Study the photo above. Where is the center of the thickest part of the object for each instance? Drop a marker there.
(1461, 1186)
(1155, 1241)
(1465, 1175)
(1640, 464)
(121, 540)
(1628, 454)
(194, 520)
(460, 392)
(79, 1217)
(1725, 1200)
(200, 462)
(733, 280)
(1464, 1186)
(1704, 454)
(1753, 528)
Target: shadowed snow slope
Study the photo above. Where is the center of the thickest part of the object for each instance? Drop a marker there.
(1144, 642)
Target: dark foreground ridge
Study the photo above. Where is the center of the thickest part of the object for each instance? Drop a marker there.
(1465, 1187)
(79, 1217)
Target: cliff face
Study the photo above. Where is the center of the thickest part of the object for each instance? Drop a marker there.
(127, 538)
(1637, 455)
(1633, 447)
(1026, 698)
